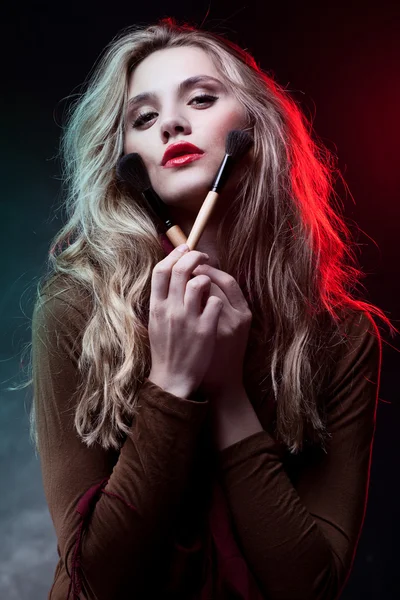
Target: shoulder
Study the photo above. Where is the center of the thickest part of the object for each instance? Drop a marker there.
(355, 356)
(60, 294)
(359, 333)
(61, 310)
(353, 329)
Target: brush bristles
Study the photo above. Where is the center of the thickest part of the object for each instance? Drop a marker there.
(238, 142)
(132, 170)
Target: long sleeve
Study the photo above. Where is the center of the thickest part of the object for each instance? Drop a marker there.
(299, 534)
(144, 481)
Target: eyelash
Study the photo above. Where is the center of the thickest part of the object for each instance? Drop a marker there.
(140, 118)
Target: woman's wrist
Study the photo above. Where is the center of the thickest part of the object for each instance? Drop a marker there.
(176, 388)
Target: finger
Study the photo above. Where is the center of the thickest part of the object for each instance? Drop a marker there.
(196, 291)
(182, 271)
(162, 273)
(227, 283)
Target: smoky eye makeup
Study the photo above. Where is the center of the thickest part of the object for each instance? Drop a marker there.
(201, 99)
(208, 84)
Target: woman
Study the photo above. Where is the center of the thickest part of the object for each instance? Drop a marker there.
(190, 452)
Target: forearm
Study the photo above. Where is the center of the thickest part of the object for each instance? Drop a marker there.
(274, 527)
(130, 522)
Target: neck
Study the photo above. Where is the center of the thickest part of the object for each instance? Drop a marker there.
(207, 241)
(185, 218)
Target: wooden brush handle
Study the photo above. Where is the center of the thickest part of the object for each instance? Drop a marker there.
(201, 220)
(175, 233)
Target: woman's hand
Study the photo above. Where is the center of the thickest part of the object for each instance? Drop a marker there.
(225, 370)
(182, 328)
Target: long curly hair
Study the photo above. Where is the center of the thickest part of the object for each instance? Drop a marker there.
(296, 253)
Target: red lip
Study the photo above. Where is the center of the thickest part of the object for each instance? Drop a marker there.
(179, 149)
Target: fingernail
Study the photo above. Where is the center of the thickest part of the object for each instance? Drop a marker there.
(182, 248)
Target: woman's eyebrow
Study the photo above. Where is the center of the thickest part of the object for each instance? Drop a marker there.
(182, 87)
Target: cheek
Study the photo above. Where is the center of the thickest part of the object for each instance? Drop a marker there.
(132, 145)
(129, 146)
(230, 118)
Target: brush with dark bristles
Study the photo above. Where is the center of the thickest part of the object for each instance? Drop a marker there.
(238, 142)
(132, 171)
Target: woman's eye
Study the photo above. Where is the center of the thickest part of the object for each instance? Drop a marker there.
(142, 118)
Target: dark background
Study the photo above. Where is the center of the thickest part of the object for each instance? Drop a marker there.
(341, 62)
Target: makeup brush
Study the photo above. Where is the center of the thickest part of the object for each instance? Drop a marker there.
(238, 142)
(132, 171)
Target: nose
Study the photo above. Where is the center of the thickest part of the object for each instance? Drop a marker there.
(173, 125)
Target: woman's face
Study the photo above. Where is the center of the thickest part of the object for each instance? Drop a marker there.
(172, 116)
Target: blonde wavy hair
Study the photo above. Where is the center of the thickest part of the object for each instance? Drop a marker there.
(295, 254)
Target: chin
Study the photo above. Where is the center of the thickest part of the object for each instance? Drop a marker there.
(185, 192)
(188, 201)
